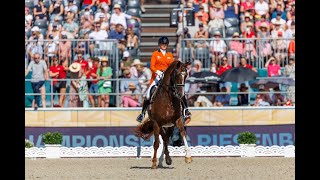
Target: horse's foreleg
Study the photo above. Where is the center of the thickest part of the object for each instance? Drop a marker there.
(156, 131)
(180, 125)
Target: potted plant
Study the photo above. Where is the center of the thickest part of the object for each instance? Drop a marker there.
(52, 143)
(247, 142)
(28, 144)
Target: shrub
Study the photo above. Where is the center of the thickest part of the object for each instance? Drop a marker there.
(28, 144)
(52, 138)
(247, 138)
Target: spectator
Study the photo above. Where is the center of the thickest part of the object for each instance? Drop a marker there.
(94, 88)
(119, 17)
(201, 33)
(277, 97)
(280, 47)
(129, 88)
(39, 76)
(273, 67)
(50, 51)
(204, 16)
(27, 19)
(279, 21)
(216, 14)
(243, 99)
(292, 47)
(263, 41)
(65, 48)
(63, 84)
(246, 5)
(235, 50)
(98, 34)
(56, 9)
(54, 71)
(217, 47)
(104, 74)
(222, 99)
(290, 71)
(71, 28)
(262, 21)
(39, 11)
(75, 69)
(71, 7)
(231, 10)
(222, 68)
(261, 8)
(249, 47)
(279, 10)
(90, 4)
(125, 64)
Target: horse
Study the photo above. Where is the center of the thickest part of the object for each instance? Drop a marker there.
(165, 112)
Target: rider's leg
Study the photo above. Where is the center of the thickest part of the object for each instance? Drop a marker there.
(186, 112)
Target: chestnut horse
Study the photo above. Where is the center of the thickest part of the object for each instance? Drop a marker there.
(166, 112)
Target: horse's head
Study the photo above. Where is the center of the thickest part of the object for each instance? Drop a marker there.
(178, 78)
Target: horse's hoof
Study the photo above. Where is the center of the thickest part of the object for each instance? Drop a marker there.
(153, 167)
(168, 161)
(188, 159)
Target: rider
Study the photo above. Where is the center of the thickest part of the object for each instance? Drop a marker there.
(160, 61)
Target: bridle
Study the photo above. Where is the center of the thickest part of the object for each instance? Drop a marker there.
(175, 86)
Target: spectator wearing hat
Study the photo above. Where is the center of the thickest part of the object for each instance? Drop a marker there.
(126, 62)
(235, 50)
(273, 67)
(290, 71)
(104, 73)
(119, 17)
(130, 90)
(279, 10)
(257, 24)
(243, 98)
(263, 43)
(50, 51)
(75, 75)
(65, 48)
(39, 10)
(89, 4)
(204, 16)
(203, 34)
(216, 14)
(39, 76)
(279, 20)
(94, 87)
(71, 28)
(56, 9)
(249, 46)
(261, 8)
(246, 5)
(231, 10)
(27, 19)
(217, 48)
(280, 48)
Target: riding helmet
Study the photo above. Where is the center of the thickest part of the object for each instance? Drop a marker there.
(163, 40)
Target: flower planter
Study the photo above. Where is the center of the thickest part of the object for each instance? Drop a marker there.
(52, 151)
(247, 150)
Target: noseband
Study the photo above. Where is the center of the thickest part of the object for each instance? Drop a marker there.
(175, 85)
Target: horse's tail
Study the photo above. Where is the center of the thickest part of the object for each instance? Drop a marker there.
(144, 130)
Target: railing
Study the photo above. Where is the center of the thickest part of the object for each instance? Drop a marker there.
(67, 49)
(255, 50)
(115, 95)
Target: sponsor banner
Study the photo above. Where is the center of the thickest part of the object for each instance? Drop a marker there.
(267, 135)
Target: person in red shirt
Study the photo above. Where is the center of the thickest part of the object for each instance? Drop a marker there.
(94, 84)
(221, 69)
(63, 84)
(54, 71)
(160, 61)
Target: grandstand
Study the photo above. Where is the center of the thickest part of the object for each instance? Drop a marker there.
(254, 29)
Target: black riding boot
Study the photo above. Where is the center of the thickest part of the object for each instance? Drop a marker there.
(186, 112)
(144, 108)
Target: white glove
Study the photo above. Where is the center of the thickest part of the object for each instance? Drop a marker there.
(159, 73)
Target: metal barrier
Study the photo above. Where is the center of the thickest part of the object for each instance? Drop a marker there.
(255, 50)
(116, 95)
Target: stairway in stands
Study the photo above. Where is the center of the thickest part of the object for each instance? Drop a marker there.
(156, 23)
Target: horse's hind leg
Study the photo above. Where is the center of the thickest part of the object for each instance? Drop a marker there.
(156, 131)
(180, 125)
(166, 136)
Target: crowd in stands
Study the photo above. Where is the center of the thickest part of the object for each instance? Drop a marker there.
(71, 37)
